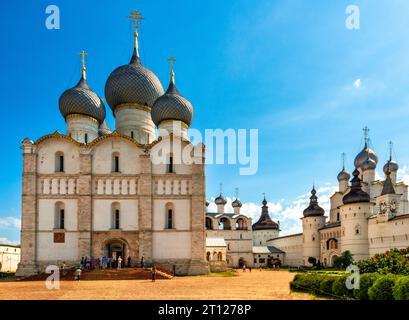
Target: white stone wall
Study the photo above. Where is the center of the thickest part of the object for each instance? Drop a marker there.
(78, 126)
(293, 248)
(47, 250)
(181, 214)
(391, 234)
(9, 258)
(131, 119)
(46, 214)
(171, 244)
(127, 151)
(102, 216)
(46, 156)
(311, 237)
(260, 237)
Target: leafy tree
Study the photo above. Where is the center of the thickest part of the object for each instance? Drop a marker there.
(343, 261)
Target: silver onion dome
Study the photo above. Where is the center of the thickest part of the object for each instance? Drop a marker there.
(132, 83)
(82, 100)
(220, 200)
(172, 106)
(363, 156)
(236, 204)
(390, 166)
(343, 175)
(368, 164)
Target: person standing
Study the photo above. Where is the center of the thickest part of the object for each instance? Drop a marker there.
(119, 262)
(142, 263)
(129, 262)
(64, 269)
(153, 271)
(77, 274)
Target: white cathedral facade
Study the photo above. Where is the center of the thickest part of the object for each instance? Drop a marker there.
(93, 192)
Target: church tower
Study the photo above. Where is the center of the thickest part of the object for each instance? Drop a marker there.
(130, 91)
(312, 221)
(355, 212)
(388, 202)
(265, 228)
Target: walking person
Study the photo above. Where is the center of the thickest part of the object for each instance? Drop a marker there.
(77, 274)
(244, 268)
(64, 269)
(119, 262)
(142, 263)
(153, 271)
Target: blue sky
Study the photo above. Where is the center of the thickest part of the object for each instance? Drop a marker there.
(286, 68)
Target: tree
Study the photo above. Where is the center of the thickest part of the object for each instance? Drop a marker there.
(343, 261)
(312, 261)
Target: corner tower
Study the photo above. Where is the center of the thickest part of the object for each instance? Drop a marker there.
(312, 221)
(355, 212)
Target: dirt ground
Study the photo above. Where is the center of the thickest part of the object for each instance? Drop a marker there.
(264, 285)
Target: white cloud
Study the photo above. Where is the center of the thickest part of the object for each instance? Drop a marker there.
(357, 83)
(10, 223)
(403, 174)
(4, 240)
(287, 212)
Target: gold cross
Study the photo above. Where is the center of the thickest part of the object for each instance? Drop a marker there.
(136, 16)
(172, 73)
(83, 54)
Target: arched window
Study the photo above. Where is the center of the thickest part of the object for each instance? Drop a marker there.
(132, 136)
(59, 162)
(170, 212)
(116, 216)
(115, 162)
(313, 237)
(169, 167)
(357, 229)
(86, 138)
(219, 256)
(241, 224)
(59, 220)
(224, 224)
(337, 216)
(209, 223)
(208, 256)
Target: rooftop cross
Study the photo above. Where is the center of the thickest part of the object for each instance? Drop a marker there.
(83, 54)
(366, 134)
(390, 150)
(343, 155)
(237, 192)
(136, 16)
(172, 73)
(221, 188)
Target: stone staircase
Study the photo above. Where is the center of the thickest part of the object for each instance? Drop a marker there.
(107, 274)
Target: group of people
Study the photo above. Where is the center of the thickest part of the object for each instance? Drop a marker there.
(87, 263)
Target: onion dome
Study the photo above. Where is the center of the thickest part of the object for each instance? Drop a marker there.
(172, 105)
(82, 100)
(356, 194)
(368, 164)
(103, 129)
(220, 200)
(313, 210)
(133, 83)
(365, 154)
(236, 204)
(265, 222)
(391, 165)
(388, 185)
(343, 175)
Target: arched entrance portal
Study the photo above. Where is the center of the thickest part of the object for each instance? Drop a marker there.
(115, 248)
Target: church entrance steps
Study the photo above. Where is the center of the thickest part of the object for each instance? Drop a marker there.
(107, 274)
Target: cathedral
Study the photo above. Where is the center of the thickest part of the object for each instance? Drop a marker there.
(93, 192)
